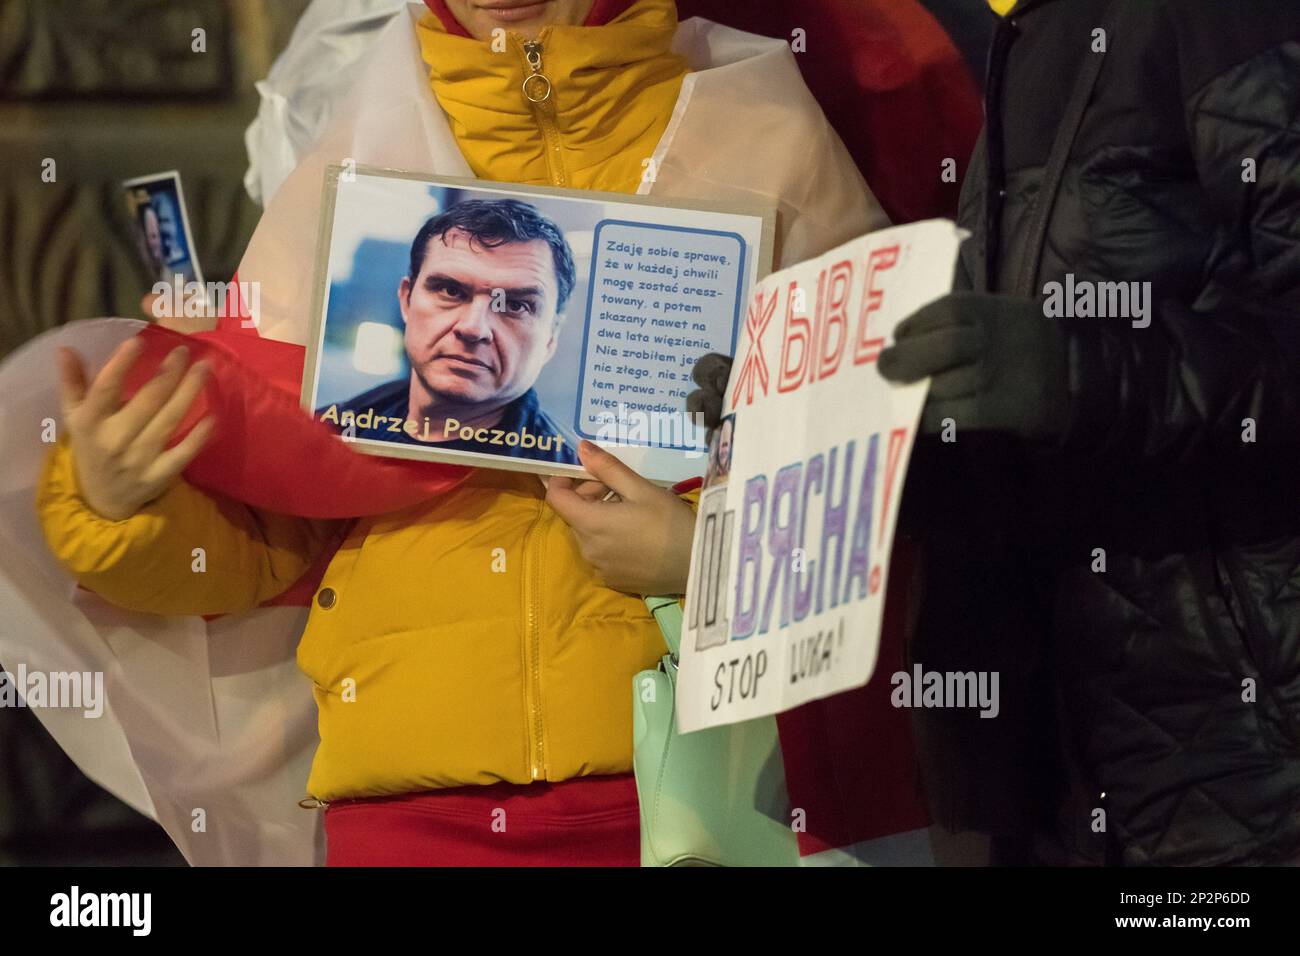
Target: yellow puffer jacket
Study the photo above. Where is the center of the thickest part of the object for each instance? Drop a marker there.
(463, 641)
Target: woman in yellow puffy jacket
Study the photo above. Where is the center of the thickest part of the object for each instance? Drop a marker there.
(466, 714)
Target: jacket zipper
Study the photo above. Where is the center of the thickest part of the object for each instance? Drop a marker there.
(537, 91)
(533, 648)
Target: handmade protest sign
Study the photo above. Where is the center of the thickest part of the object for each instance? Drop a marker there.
(796, 522)
(497, 325)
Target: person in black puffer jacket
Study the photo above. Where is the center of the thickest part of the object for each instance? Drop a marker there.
(1109, 507)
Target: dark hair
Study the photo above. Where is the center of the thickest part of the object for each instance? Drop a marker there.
(495, 222)
(146, 207)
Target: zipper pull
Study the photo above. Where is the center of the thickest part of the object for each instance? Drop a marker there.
(537, 87)
(311, 803)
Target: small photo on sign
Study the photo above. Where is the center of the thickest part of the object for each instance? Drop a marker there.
(721, 446)
(156, 206)
(498, 325)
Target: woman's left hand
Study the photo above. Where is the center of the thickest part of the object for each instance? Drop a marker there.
(640, 541)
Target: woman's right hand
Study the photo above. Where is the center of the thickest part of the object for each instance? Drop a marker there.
(119, 450)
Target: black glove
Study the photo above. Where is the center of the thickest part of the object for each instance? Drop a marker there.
(711, 373)
(997, 364)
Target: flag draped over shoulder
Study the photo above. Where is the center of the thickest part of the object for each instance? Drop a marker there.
(267, 452)
(207, 725)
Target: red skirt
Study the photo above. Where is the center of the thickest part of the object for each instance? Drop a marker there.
(587, 821)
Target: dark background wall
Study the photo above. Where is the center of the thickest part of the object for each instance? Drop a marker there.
(111, 89)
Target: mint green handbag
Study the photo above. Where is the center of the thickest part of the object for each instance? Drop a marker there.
(714, 797)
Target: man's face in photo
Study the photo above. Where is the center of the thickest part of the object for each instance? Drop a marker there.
(153, 235)
(168, 228)
(463, 349)
(724, 444)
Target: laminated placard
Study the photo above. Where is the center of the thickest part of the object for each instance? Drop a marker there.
(498, 325)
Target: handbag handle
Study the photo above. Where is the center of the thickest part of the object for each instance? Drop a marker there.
(667, 613)
(1066, 133)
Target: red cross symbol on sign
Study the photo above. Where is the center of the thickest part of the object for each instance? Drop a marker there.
(754, 367)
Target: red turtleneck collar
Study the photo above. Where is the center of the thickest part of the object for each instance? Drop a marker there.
(601, 13)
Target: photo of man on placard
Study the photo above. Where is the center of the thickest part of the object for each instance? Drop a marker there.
(482, 305)
(721, 446)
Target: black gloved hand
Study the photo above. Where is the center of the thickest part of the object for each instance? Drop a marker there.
(997, 364)
(711, 373)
